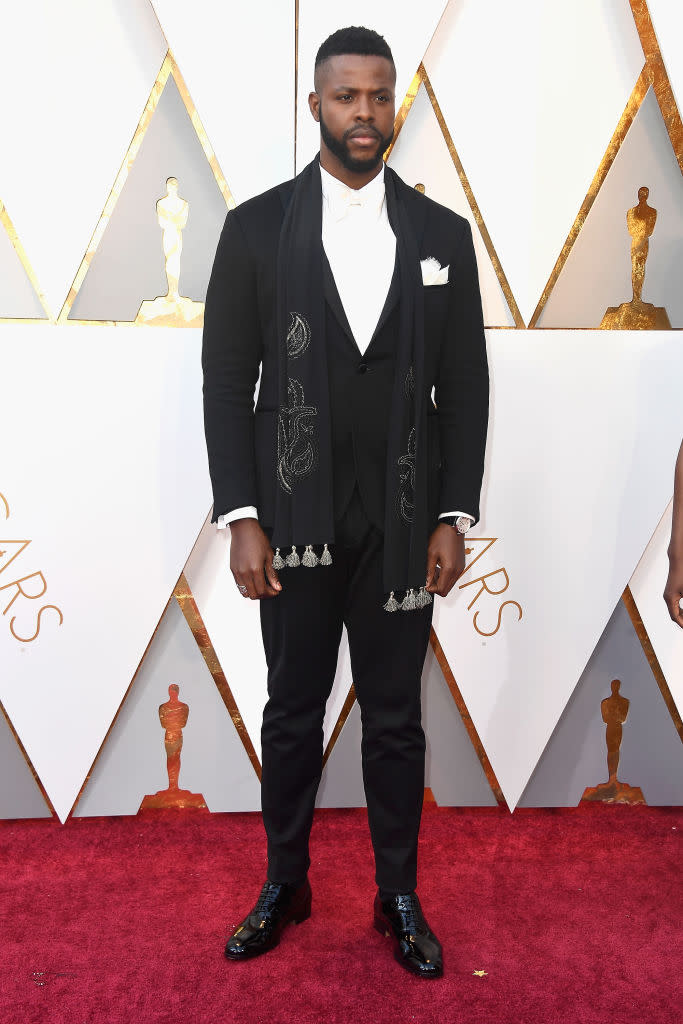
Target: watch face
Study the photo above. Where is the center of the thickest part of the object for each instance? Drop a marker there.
(462, 524)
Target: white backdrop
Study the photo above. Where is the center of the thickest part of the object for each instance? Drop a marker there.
(523, 111)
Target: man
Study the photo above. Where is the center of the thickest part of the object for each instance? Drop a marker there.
(673, 591)
(356, 295)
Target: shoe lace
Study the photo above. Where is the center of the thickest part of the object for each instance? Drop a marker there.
(268, 898)
(408, 906)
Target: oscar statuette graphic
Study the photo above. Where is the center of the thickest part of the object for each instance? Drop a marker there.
(614, 712)
(173, 716)
(172, 309)
(636, 314)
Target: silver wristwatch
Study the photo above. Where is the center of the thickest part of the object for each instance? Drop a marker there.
(460, 523)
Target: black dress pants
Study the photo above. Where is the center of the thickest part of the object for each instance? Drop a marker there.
(301, 630)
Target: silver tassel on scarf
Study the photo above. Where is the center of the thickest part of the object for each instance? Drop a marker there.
(423, 598)
(292, 559)
(309, 558)
(413, 599)
(278, 560)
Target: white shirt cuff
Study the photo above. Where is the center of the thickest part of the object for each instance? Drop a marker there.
(453, 514)
(246, 512)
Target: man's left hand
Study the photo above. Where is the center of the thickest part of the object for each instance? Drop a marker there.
(445, 559)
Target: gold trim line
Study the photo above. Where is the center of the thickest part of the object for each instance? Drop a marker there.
(403, 111)
(6, 222)
(656, 70)
(188, 606)
(467, 720)
(653, 660)
(29, 762)
(341, 722)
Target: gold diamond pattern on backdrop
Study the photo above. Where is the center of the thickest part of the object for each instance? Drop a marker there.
(168, 69)
(8, 226)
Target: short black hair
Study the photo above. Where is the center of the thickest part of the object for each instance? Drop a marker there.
(357, 40)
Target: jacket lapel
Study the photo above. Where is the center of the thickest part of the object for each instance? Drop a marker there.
(415, 204)
(391, 300)
(334, 301)
(417, 213)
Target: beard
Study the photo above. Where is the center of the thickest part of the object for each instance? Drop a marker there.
(340, 148)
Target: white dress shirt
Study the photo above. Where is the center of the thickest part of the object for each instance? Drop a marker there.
(361, 249)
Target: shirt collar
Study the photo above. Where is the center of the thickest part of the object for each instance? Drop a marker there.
(339, 196)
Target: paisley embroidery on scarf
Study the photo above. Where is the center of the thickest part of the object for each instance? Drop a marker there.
(297, 447)
(405, 499)
(298, 336)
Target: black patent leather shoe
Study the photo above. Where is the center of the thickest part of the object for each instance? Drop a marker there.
(260, 931)
(416, 947)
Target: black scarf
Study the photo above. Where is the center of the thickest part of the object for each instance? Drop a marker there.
(303, 504)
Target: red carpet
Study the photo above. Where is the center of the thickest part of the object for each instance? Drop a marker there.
(575, 915)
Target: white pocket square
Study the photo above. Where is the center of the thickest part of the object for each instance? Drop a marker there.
(433, 272)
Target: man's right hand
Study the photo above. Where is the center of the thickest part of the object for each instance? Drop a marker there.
(251, 560)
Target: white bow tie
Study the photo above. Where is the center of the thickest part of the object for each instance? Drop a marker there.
(341, 202)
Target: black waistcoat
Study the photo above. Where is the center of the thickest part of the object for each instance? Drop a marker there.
(360, 387)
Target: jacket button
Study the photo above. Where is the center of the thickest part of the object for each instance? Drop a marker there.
(362, 367)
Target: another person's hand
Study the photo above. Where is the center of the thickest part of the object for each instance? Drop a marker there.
(673, 591)
(445, 559)
(251, 560)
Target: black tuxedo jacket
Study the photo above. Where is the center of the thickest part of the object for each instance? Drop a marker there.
(240, 340)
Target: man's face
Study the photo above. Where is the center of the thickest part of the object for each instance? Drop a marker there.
(355, 105)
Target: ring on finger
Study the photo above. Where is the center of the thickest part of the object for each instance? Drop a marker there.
(242, 588)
